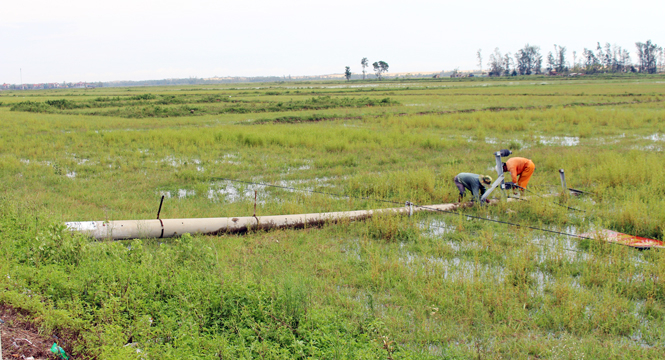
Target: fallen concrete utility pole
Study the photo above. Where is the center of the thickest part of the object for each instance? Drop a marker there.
(166, 228)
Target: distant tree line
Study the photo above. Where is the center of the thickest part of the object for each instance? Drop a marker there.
(379, 67)
(607, 59)
(41, 86)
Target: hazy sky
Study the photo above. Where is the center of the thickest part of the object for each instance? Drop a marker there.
(98, 40)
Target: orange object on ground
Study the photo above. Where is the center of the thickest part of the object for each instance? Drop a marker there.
(624, 239)
(522, 167)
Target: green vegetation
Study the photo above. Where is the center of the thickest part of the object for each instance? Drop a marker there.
(427, 287)
(149, 105)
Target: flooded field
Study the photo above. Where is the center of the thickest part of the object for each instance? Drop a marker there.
(512, 280)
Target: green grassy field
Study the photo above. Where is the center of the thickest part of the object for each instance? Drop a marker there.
(427, 287)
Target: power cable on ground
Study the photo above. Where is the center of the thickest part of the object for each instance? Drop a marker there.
(552, 202)
(420, 206)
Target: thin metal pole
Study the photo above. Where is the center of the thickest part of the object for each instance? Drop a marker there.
(158, 211)
(563, 181)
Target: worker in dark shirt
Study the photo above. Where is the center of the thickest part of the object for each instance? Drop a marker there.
(473, 182)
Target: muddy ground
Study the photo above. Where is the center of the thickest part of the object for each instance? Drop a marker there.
(21, 338)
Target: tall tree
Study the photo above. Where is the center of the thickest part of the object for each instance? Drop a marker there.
(496, 63)
(379, 68)
(625, 60)
(560, 59)
(529, 61)
(507, 63)
(347, 73)
(551, 63)
(591, 62)
(616, 59)
(538, 64)
(647, 55)
(479, 56)
(600, 55)
(364, 63)
(608, 59)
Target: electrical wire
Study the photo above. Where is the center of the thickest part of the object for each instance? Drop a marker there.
(552, 202)
(416, 205)
(421, 206)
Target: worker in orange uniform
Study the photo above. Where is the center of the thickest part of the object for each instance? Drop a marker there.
(522, 167)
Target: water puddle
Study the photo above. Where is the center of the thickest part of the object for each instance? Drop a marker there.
(560, 140)
(229, 162)
(512, 144)
(351, 249)
(653, 147)
(452, 269)
(172, 161)
(306, 185)
(175, 162)
(231, 193)
(437, 228)
(306, 166)
(655, 137)
(228, 159)
(181, 193)
(606, 140)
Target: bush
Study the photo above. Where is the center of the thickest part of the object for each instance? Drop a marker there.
(61, 104)
(143, 97)
(31, 106)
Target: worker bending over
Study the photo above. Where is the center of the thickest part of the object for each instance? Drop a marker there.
(522, 167)
(472, 182)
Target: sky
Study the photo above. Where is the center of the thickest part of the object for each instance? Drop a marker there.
(101, 40)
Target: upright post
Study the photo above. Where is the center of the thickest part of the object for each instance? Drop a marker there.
(499, 170)
(499, 164)
(563, 181)
(160, 208)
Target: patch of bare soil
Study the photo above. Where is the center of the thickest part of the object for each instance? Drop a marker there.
(20, 338)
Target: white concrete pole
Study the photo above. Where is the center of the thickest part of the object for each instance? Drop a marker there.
(165, 228)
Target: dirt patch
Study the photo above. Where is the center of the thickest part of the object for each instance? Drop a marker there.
(20, 338)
